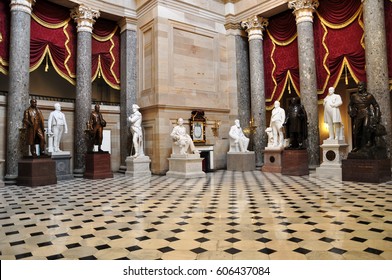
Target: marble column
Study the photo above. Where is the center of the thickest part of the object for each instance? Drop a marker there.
(128, 88)
(303, 10)
(254, 26)
(377, 60)
(84, 18)
(19, 82)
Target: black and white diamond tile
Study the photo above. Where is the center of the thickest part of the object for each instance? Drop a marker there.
(224, 216)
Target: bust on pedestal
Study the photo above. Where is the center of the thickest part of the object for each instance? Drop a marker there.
(38, 169)
(334, 148)
(98, 165)
(275, 146)
(295, 156)
(185, 160)
(239, 158)
(57, 126)
(138, 164)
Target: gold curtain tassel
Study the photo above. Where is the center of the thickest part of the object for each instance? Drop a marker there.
(289, 87)
(47, 63)
(345, 71)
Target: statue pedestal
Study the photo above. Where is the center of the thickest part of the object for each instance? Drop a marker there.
(34, 172)
(241, 161)
(295, 162)
(185, 166)
(272, 160)
(333, 153)
(63, 165)
(139, 166)
(98, 166)
(366, 170)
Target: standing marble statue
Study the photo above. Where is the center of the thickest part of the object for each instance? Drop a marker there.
(33, 122)
(182, 139)
(137, 133)
(96, 124)
(278, 117)
(296, 124)
(57, 125)
(238, 141)
(332, 114)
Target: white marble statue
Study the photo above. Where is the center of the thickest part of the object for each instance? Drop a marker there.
(182, 139)
(332, 114)
(238, 141)
(270, 136)
(278, 117)
(137, 133)
(57, 126)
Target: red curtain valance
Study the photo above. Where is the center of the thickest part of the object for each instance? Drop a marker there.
(281, 57)
(53, 36)
(106, 52)
(339, 45)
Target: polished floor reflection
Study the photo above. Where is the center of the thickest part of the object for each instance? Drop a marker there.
(226, 215)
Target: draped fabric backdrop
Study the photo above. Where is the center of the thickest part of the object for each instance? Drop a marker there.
(280, 57)
(53, 36)
(53, 42)
(338, 42)
(106, 52)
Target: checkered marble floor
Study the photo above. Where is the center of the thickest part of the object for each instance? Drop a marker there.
(226, 215)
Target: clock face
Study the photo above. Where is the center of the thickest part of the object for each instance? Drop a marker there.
(198, 131)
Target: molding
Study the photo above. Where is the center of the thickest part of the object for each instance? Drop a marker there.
(25, 6)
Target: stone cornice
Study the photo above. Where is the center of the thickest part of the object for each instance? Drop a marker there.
(127, 24)
(303, 9)
(254, 26)
(22, 5)
(84, 17)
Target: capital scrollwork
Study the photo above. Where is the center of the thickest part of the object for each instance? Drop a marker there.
(254, 26)
(84, 17)
(22, 5)
(303, 9)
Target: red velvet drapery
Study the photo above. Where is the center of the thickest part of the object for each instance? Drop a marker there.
(53, 36)
(280, 57)
(4, 35)
(105, 52)
(339, 45)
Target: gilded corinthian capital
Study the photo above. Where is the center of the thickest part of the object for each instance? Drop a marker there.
(84, 17)
(254, 26)
(22, 5)
(303, 9)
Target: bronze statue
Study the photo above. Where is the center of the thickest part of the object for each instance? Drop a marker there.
(33, 122)
(367, 128)
(296, 124)
(96, 125)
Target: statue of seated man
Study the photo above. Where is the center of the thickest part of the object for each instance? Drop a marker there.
(182, 139)
(238, 141)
